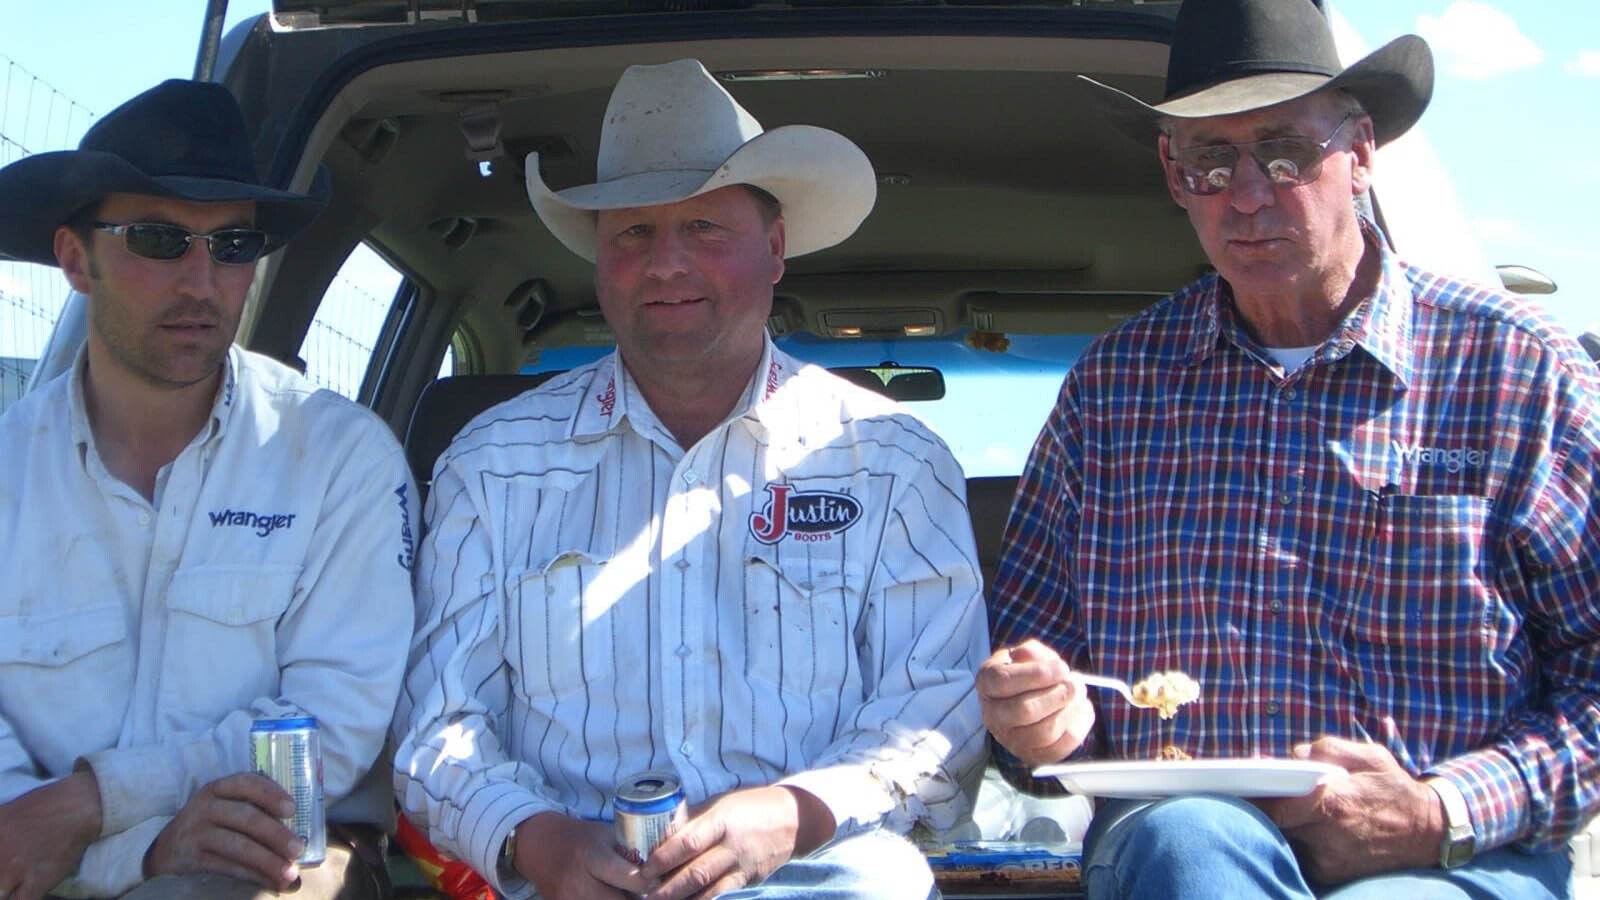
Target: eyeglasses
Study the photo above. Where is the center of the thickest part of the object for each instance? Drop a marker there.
(1208, 169)
(153, 240)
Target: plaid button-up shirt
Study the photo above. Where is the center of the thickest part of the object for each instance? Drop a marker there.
(1398, 541)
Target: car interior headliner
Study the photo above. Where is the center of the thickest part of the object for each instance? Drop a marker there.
(1006, 200)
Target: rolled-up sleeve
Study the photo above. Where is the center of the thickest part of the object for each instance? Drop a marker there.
(452, 775)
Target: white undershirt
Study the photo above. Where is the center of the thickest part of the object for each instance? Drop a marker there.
(1292, 358)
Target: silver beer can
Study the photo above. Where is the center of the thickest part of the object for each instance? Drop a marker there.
(289, 751)
(648, 807)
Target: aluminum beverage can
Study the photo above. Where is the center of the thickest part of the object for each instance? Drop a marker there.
(289, 751)
(648, 807)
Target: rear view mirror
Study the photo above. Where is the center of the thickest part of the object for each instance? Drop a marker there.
(894, 381)
(1523, 280)
(1591, 342)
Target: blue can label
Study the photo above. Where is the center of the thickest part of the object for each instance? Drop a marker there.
(648, 807)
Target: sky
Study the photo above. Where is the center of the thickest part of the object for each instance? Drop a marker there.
(1511, 122)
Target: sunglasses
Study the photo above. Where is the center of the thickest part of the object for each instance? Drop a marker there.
(1208, 169)
(153, 240)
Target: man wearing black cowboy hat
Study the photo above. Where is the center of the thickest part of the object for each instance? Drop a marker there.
(1355, 500)
(697, 554)
(193, 537)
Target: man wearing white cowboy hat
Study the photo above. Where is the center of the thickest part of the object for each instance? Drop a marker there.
(192, 536)
(697, 555)
(1355, 500)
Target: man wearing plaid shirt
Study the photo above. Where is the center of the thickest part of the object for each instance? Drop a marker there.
(1355, 500)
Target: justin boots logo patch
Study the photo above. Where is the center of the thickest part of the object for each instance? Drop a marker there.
(807, 515)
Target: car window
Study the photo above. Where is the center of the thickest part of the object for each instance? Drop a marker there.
(995, 400)
(339, 344)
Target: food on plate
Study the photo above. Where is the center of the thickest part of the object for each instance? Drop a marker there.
(1165, 692)
(1174, 753)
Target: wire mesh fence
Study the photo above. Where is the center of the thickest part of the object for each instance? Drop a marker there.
(34, 118)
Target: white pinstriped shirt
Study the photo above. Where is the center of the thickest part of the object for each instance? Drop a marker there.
(594, 601)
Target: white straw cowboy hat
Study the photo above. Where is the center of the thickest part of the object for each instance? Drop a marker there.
(1233, 56)
(671, 132)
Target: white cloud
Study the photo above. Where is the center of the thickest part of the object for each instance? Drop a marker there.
(1476, 41)
(1586, 64)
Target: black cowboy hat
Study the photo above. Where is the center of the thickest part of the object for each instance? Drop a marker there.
(1233, 56)
(183, 139)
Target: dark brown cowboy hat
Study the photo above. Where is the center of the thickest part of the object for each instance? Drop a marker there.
(183, 139)
(1233, 56)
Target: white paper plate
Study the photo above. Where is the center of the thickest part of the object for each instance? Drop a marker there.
(1162, 778)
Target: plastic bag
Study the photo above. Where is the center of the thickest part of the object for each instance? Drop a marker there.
(448, 875)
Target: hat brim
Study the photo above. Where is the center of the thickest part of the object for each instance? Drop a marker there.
(42, 192)
(1393, 83)
(825, 184)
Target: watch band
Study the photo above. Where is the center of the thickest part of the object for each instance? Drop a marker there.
(1459, 842)
(508, 852)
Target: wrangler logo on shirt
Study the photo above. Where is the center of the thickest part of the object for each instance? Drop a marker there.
(263, 523)
(407, 545)
(808, 515)
(1452, 459)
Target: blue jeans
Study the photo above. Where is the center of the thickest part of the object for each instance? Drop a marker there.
(1223, 847)
(876, 865)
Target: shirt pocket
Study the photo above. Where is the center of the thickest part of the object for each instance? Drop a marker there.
(556, 649)
(1424, 619)
(51, 661)
(800, 626)
(224, 619)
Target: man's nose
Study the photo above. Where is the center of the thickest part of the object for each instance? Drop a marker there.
(667, 256)
(196, 267)
(1250, 189)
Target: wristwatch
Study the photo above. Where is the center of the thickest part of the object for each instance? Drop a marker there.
(508, 852)
(1459, 840)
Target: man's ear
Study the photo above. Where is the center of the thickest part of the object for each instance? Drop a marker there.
(777, 241)
(73, 256)
(1364, 147)
(1170, 171)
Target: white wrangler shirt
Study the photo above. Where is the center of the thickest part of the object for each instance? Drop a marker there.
(793, 600)
(270, 577)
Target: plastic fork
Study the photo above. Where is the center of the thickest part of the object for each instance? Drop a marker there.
(1115, 684)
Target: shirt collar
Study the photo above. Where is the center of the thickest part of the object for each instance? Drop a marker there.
(602, 407)
(1380, 325)
(769, 404)
(612, 400)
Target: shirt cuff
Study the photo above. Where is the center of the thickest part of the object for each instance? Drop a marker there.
(135, 784)
(114, 865)
(859, 802)
(499, 810)
(1496, 797)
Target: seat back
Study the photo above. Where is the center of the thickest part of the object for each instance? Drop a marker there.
(447, 405)
(989, 504)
